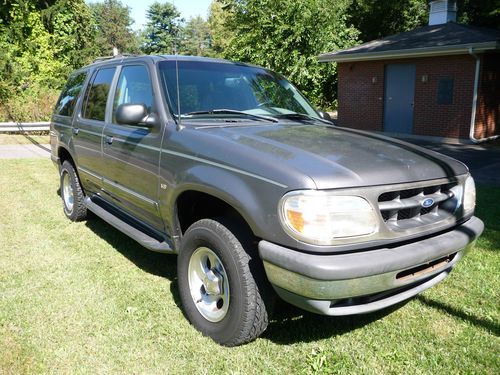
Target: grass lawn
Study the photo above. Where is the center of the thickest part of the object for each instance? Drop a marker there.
(23, 139)
(83, 298)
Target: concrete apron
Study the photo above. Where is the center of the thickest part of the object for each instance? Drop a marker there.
(24, 151)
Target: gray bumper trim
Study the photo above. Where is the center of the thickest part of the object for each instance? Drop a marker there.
(373, 262)
(325, 308)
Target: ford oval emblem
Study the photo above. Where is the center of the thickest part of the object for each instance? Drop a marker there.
(427, 203)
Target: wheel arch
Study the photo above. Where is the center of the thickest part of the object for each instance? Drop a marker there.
(193, 204)
(63, 154)
(247, 198)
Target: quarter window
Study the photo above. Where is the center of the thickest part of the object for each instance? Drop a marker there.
(97, 95)
(69, 96)
(134, 87)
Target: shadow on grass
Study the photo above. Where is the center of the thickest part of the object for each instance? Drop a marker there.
(482, 323)
(290, 324)
(157, 264)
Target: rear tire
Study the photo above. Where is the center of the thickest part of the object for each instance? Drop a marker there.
(72, 193)
(220, 295)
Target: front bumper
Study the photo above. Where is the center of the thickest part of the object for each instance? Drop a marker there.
(365, 281)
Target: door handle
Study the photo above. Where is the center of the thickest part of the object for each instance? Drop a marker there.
(75, 131)
(108, 139)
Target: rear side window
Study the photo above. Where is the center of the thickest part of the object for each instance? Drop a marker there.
(67, 101)
(97, 95)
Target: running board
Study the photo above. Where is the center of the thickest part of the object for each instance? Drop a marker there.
(142, 238)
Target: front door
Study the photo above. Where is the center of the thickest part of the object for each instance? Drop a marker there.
(132, 153)
(398, 98)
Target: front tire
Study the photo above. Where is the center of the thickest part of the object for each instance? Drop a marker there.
(72, 193)
(220, 295)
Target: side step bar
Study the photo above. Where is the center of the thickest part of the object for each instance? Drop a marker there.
(142, 238)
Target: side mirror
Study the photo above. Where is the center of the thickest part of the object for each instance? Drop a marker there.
(325, 116)
(132, 114)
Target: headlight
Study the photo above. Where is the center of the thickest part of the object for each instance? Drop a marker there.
(320, 218)
(469, 195)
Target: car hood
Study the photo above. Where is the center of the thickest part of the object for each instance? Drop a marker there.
(336, 157)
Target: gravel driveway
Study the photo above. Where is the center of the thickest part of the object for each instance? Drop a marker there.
(24, 151)
(483, 159)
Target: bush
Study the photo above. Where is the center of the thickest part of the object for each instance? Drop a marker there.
(30, 106)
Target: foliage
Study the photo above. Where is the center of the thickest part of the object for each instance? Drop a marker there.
(113, 23)
(73, 31)
(287, 36)
(220, 33)
(195, 37)
(162, 34)
(377, 19)
(40, 43)
(479, 13)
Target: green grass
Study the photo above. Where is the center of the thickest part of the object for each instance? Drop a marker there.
(83, 298)
(23, 139)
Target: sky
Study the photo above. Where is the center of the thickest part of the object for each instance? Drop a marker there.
(188, 8)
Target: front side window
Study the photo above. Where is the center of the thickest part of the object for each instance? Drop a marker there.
(134, 87)
(97, 95)
(69, 95)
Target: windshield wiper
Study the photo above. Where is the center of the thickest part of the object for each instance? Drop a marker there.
(230, 111)
(304, 116)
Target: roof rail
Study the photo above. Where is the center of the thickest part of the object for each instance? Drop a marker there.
(121, 55)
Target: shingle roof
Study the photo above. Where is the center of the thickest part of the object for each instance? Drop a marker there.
(437, 38)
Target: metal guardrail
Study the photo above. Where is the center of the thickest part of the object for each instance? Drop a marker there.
(8, 127)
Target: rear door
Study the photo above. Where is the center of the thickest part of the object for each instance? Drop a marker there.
(62, 119)
(88, 127)
(132, 153)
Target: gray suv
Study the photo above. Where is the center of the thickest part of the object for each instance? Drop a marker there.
(230, 167)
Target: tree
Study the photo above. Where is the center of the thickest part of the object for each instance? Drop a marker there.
(479, 13)
(195, 37)
(287, 36)
(40, 42)
(73, 30)
(220, 34)
(163, 28)
(114, 34)
(377, 19)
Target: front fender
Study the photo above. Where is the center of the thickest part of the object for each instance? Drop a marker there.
(256, 200)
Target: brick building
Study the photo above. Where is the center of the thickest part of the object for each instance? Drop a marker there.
(441, 80)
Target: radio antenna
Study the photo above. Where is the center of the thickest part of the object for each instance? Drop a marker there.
(179, 124)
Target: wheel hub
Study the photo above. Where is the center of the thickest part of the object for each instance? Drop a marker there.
(67, 192)
(213, 282)
(208, 284)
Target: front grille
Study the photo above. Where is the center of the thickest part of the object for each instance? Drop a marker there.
(408, 208)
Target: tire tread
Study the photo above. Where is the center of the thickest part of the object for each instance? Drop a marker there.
(255, 316)
(79, 212)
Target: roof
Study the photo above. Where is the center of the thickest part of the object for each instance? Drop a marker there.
(445, 39)
(109, 60)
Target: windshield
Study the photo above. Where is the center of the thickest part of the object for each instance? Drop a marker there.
(229, 89)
